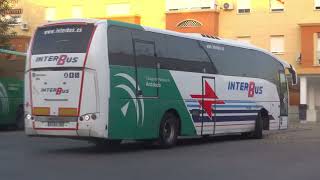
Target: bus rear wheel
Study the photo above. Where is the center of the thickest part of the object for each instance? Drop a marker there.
(168, 132)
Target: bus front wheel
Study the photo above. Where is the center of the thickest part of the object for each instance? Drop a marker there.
(257, 133)
(168, 132)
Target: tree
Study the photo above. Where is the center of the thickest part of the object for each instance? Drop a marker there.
(6, 29)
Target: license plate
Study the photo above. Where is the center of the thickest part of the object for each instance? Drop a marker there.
(56, 124)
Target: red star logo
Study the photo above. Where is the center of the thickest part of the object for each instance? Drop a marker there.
(208, 99)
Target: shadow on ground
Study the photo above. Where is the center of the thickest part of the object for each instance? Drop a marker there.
(145, 146)
(8, 129)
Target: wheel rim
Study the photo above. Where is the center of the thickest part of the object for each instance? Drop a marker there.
(168, 131)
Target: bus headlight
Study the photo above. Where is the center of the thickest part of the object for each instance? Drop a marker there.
(87, 117)
(28, 117)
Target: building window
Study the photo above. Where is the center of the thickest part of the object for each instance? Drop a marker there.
(50, 14)
(118, 9)
(277, 44)
(189, 23)
(244, 6)
(76, 12)
(317, 4)
(14, 19)
(276, 5)
(244, 39)
(174, 5)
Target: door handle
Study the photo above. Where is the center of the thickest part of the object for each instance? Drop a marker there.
(139, 93)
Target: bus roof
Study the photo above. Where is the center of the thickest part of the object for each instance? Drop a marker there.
(218, 41)
(185, 35)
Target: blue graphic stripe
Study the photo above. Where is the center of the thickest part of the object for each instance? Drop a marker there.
(227, 111)
(226, 101)
(226, 106)
(235, 111)
(198, 119)
(191, 100)
(224, 118)
(238, 101)
(235, 106)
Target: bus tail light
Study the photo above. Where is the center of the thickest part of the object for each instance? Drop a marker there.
(41, 111)
(94, 116)
(68, 111)
(29, 117)
(87, 117)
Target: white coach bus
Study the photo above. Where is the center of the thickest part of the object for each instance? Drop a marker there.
(113, 81)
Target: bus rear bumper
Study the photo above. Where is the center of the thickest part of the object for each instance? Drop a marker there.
(75, 128)
(81, 132)
(49, 132)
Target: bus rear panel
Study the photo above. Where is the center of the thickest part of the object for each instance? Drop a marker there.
(61, 86)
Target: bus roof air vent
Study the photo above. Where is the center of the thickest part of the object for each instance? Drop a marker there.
(209, 36)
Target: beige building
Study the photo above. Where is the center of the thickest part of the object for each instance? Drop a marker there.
(288, 28)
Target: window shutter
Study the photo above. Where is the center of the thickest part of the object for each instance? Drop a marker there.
(244, 4)
(317, 4)
(277, 44)
(276, 5)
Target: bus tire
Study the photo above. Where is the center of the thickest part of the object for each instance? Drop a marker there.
(168, 132)
(20, 118)
(257, 133)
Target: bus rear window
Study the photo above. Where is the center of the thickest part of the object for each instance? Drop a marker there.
(62, 39)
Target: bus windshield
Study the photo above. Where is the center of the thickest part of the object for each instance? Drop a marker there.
(69, 38)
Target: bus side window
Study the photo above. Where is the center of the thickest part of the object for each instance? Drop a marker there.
(145, 54)
(145, 48)
(186, 55)
(120, 46)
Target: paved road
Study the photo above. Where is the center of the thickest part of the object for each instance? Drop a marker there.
(287, 155)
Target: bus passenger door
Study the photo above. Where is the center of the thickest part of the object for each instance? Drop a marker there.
(283, 121)
(147, 85)
(208, 103)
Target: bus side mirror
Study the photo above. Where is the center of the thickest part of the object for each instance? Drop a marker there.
(293, 75)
